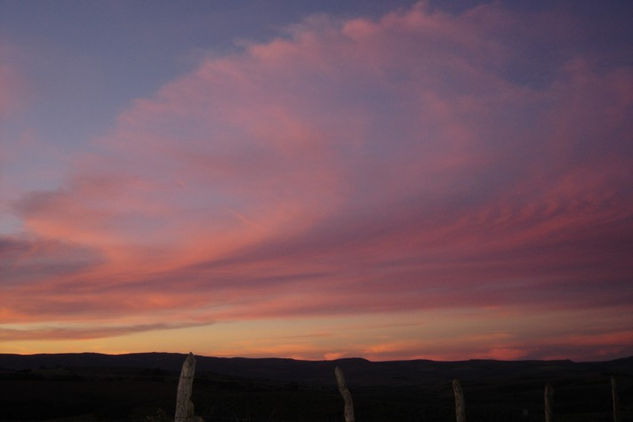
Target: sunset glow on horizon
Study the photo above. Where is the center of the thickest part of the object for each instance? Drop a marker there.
(303, 179)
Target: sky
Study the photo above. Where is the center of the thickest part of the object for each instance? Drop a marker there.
(316, 180)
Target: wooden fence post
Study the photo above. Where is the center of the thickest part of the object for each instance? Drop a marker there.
(347, 396)
(184, 405)
(460, 404)
(549, 402)
(614, 400)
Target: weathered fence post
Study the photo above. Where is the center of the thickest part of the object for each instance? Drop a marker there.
(614, 400)
(347, 396)
(184, 405)
(460, 404)
(549, 402)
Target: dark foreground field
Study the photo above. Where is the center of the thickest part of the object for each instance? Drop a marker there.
(142, 387)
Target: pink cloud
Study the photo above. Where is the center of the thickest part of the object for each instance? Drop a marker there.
(348, 167)
(12, 90)
(15, 88)
(81, 333)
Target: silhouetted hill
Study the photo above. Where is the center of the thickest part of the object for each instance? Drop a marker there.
(142, 387)
(359, 371)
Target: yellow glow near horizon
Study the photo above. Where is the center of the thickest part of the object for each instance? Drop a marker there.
(437, 334)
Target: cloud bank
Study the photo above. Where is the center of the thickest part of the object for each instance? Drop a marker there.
(419, 161)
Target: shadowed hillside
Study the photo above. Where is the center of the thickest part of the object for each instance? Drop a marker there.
(142, 387)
